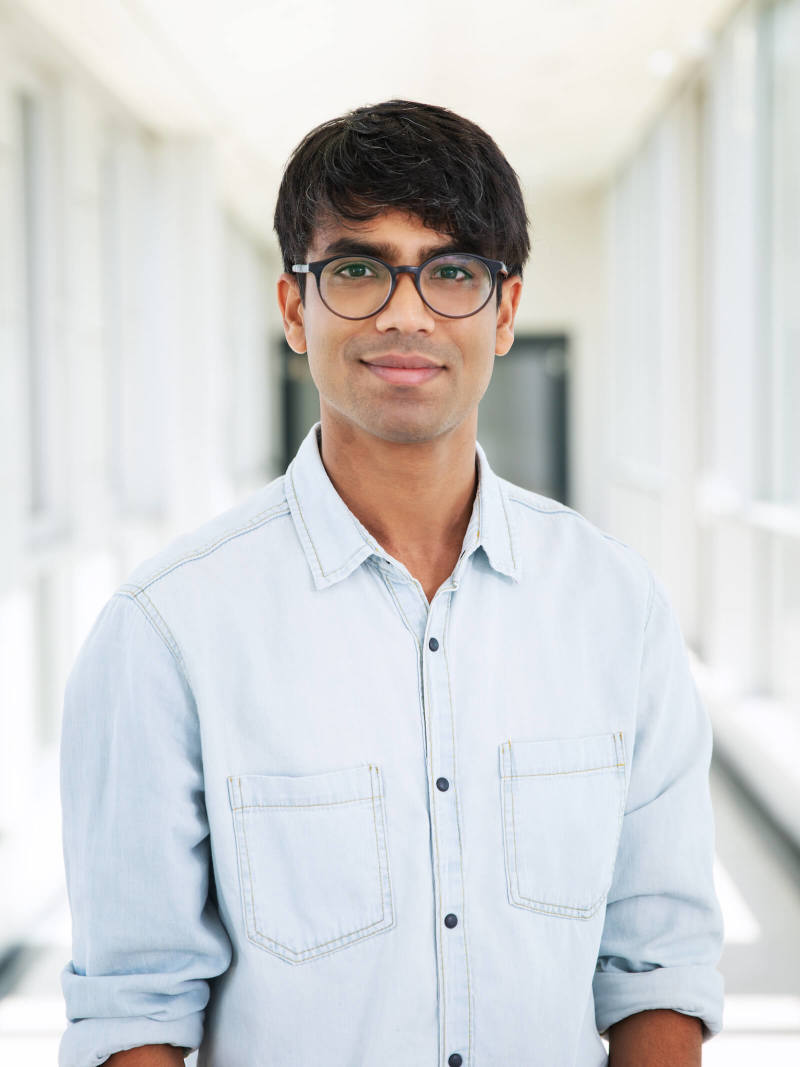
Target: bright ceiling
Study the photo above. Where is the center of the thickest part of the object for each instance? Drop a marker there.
(564, 86)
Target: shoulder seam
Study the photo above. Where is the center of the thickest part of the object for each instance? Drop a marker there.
(578, 515)
(160, 626)
(257, 521)
(544, 511)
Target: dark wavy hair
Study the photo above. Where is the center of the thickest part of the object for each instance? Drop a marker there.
(407, 156)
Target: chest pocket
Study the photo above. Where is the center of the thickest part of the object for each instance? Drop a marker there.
(562, 806)
(313, 863)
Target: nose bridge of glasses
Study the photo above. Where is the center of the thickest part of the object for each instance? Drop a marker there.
(413, 276)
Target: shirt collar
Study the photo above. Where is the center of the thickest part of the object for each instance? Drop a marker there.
(336, 542)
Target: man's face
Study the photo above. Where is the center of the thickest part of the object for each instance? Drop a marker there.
(339, 350)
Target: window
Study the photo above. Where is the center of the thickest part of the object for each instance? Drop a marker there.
(33, 175)
(782, 33)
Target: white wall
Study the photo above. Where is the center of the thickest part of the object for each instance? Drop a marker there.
(138, 396)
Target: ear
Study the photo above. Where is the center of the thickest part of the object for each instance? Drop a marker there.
(291, 309)
(509, 301)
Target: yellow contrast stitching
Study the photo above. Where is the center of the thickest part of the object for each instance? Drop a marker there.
(508, 526)
(344, 939)
(584, 770)
(569, 911)
(305, 524)
(313, 804)
(513, 822)
(311, 542)
(378, 849)
(386, 847)
(251, 523)
(318, 955)
(166, 632)
(250, 875)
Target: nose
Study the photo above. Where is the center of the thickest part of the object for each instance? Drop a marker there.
(406, 310)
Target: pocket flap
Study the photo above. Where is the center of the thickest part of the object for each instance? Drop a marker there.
(565, 755)
(280, 790)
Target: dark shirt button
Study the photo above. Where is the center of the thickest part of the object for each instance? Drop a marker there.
(443, 784)
(433, 644)
(454, 1060)
(450, 920)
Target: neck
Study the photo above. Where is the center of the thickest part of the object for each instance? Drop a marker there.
(414, 498)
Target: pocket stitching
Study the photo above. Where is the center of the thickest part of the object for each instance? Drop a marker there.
(344, 938)
(257, 937)
(314, 804)
(566, 911)
(551, 774)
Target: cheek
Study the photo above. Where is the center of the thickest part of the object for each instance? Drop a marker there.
(319, 336)
(325, 344)
(479, 350)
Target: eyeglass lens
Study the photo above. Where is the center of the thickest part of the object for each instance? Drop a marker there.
(356, 286)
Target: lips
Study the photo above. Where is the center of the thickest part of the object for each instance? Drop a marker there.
(412, 371)
(406, 362)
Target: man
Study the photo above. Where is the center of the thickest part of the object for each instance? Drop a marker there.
(395, 762)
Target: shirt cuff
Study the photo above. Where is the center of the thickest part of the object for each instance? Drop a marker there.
(694, 990)
(89, 1042)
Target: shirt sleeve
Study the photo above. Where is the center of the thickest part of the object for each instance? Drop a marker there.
(146, 937)
(663, 929)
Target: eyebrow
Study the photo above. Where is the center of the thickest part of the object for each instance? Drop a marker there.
(387, 252)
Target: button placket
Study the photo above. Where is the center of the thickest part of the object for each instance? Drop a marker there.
(455, 1009)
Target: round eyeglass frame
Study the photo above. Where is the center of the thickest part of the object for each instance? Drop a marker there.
(496, 266)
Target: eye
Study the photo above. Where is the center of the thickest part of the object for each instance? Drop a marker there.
(449, 272)
(354, 269)
(453, 268)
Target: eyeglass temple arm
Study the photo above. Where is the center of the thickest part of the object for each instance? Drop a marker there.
(300, 268)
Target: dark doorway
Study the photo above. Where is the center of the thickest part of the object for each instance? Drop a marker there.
(300, 401)
(522, 418)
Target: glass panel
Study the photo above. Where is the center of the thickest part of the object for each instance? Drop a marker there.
(30, 127)
(636, 328)
(113, 314)
(47, 690)
(784, 154)
(734, 263)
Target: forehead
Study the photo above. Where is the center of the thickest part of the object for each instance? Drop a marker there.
(392, 235)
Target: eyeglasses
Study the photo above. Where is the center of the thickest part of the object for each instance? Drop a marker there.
(454, 284)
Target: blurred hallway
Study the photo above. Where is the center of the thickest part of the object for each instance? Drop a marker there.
(146, 384)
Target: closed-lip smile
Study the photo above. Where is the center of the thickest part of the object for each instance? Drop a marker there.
(404, 362)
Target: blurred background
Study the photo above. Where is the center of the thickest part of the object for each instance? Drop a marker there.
(654, 384)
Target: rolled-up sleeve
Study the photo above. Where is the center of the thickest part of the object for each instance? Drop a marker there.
(146, 937)
(662, 936)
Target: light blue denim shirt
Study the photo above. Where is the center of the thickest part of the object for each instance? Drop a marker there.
(310, 818)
